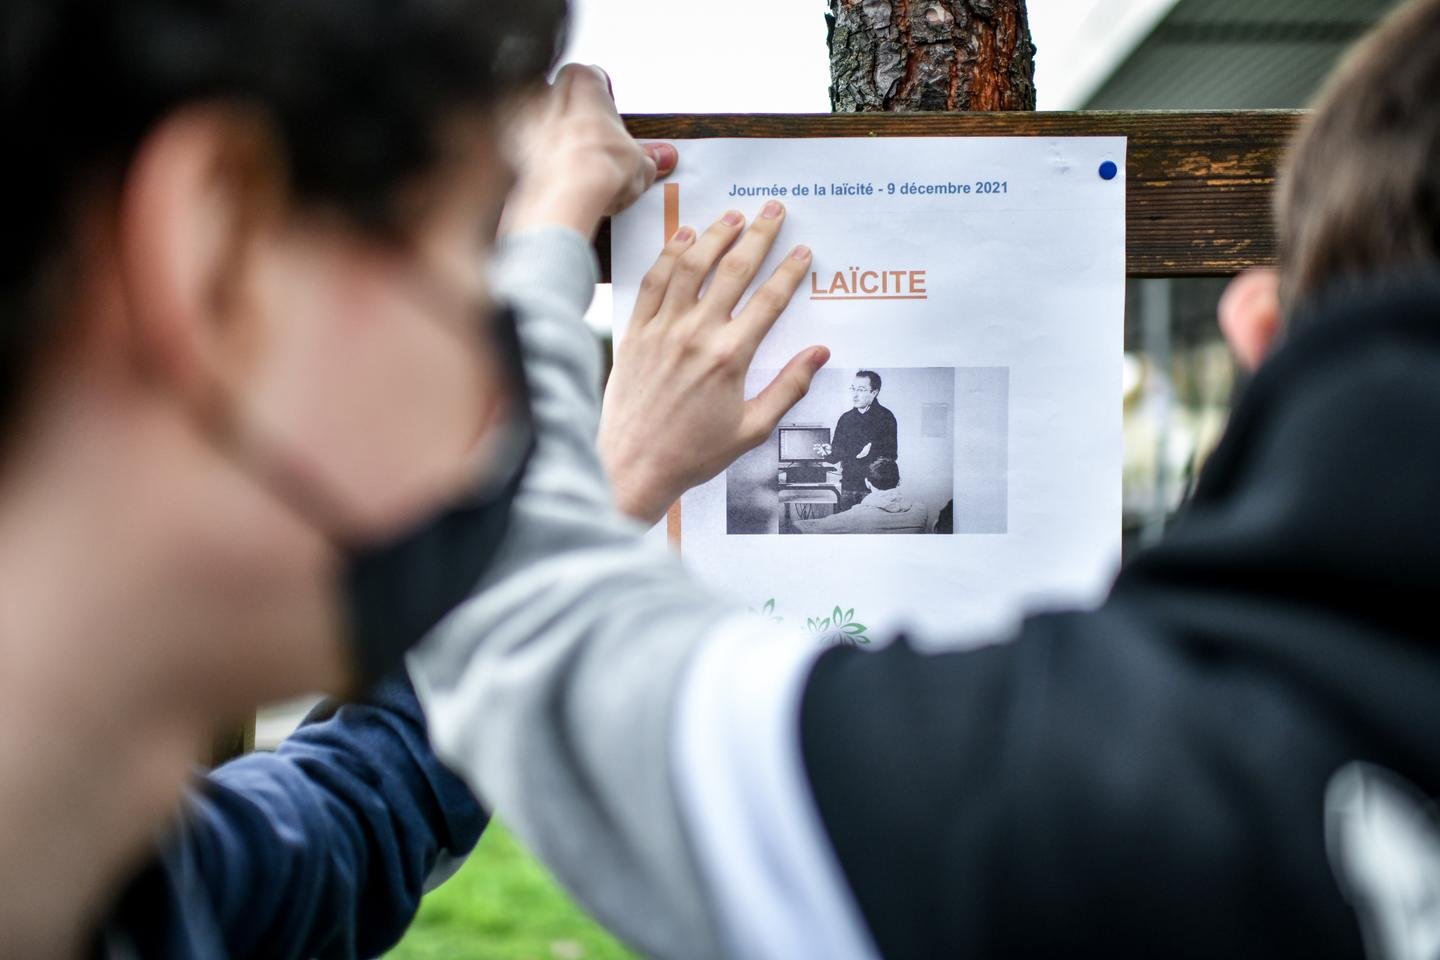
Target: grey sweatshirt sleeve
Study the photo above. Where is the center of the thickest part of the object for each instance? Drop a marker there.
(640, 734)
(553, 689)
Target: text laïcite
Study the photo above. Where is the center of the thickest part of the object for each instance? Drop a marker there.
(858, 284)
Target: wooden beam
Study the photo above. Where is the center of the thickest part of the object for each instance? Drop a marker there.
(1200, 183)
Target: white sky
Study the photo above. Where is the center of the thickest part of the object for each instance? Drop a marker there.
(768, 56)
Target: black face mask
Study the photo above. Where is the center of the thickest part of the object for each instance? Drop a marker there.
(396, 592)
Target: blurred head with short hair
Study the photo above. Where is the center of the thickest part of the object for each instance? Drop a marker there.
(1359, 195)
(245, 332)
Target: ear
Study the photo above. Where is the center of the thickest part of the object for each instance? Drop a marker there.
(1250, 316)
(202, 187)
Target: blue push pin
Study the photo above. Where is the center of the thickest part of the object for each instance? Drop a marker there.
(1108, 170)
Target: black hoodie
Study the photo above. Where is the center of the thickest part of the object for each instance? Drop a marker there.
(1149, 779)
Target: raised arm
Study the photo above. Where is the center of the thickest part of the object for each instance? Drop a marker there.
(555, 689)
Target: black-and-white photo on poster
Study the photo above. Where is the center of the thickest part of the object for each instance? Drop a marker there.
(873, 451)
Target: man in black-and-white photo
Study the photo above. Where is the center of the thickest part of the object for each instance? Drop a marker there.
(863, 433)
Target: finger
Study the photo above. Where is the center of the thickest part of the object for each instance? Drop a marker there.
(649, 173)
(645, 177)
(666, 157)
(609, 84)
(591, 85)
(787, 389)
(696, 263)
(565, 79)
(657, 280)
(774, 295)
(641, 180)
(738, 267)
(548, 107)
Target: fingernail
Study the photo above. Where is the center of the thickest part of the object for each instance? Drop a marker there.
(771, 210)
(818, 358)
(801, 252)
(733, 219)
(666, 156)
(683, 235)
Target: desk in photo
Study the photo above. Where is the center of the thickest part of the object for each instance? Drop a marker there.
(806, 500)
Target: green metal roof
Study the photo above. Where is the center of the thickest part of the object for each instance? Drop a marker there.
(1237, 54)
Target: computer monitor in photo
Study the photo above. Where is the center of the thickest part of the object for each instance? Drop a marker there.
(798, 443)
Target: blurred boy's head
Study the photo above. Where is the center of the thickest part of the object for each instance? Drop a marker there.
(242, 276)
(1360, 193)
(246, 354)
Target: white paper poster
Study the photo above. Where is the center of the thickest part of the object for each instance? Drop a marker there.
(958, 461)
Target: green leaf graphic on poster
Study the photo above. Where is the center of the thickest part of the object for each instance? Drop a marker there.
(839, 627)
(767, 611)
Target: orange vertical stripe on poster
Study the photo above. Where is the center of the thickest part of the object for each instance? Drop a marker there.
(672, 211)
(672, 223)
(672, 526)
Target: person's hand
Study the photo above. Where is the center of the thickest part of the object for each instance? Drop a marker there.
(823, 449)
(575, 160)
(675, 412)
(864, 452)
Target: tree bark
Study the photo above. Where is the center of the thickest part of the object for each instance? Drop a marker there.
(898, 55)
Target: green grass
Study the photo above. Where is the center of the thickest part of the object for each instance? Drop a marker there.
(504, 906)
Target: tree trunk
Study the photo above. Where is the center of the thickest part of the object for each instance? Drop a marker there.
(930, 55)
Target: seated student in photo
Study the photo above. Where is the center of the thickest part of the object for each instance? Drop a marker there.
(865, 432)
(1154, 777)
(885, 508)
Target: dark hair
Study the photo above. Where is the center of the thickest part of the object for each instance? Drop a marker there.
(873, 377)
(883, 473)
(1361, 190)
(357, 93)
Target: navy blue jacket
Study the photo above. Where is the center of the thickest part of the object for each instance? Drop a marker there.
(321, 849)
